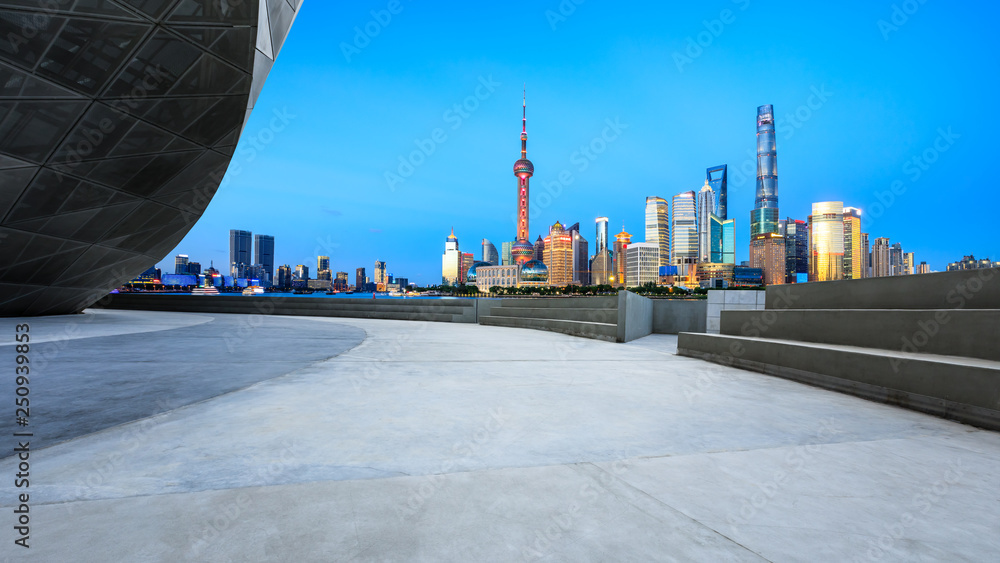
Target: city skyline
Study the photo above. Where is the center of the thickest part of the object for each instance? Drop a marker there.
(339, 204)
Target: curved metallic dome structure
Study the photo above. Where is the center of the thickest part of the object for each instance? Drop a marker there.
(534, 271)
(470, 276)
(118, 119)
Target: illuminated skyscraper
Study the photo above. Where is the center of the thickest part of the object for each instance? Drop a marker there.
(705, 203)
(451, 261)
(468, 260)
(866, 256)
(622, 240)
(881, 262)
(908, 266)
(284, 276)
(559, 255)
(826, 241)
(539, 249)
(853, 255)
(302, 272)
(718, 183)
(764, 216)
(581, 262)
(181, 264)
(658, 227)
(684, 228)
(381, 273)
(523, 169)
(322, 263)
(642, 263)
(490, 253)
(601, 238)
(896, 259)
(263, 253)
(729, 241)
(767, 252)
(796, 234)
(722, 243)
(505, 257)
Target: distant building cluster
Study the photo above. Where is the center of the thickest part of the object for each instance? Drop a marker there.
(689, 240)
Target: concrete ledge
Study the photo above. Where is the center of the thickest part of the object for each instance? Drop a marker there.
(599, 331)
(671, 316)
(609, 316)
(967, 289)
(962, 389)
(635, 316)
(440, 310)
(956, 332)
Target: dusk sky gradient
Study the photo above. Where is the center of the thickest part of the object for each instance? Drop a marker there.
(319, 185)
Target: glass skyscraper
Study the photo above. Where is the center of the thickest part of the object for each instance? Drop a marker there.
(263, 252)
(764, 216)
(706, 210)
(601, 237)
(490, 254)
(239, 252)
(719, 186)
(854, 263)
(658, 227)
(722, 241)
(796, 234)
(826, 241)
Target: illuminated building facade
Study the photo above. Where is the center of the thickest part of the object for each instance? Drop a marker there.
(118, 123)
(601, 263)
(923, 268)
(539, 249)
(601, 240)
(796, 233)
(684, 229)
(764, 216)
(767, 252)
(853, 250)
(622, 240)
(881, 262)
(559, 255)
(866, 256)
(451, 261)
(716, 177)
(381, 275)
(581, 262)
(908, 266)
(721, 240)
(468, 259)
(497, 276)
(523, 170)
(658, 227)
(826, 241)
(709, 272)
(181, 264)
(322, 263)
(642, 263)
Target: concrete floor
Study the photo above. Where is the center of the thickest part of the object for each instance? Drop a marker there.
(436, 441)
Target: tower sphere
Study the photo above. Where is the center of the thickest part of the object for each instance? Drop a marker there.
(524, 166)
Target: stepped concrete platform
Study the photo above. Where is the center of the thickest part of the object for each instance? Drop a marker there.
(382, 440)
(926, 342)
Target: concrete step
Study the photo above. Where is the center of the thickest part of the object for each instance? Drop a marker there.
(560, 313)
(599, 331)
(594, 302)
(971, 333)
(963, 389)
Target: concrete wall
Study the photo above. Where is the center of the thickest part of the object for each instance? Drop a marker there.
(968, 289)
(635, 316)
(729, 300)
(671, 316)
(441, 310)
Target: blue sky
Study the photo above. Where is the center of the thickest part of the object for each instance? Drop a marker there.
(893, 117)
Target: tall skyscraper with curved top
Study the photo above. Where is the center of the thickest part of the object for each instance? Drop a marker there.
(522, 251)
(764, 216)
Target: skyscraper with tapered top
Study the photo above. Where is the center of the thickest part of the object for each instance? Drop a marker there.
(522, 250)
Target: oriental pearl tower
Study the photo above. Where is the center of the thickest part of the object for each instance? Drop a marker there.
(522, 250)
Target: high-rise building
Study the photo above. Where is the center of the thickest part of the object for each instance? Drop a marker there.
(853, 245)
(360, 279)
(622, 240)
(239, 252)
(601, 239)
(302, 272)
(490, 254)
(767, 252)
(896, 259)
(642, 263)
(451, 261)
(602, 269)
(684, 231)
(716, 177)
(796, 233)
(263, 252)
(505, 257)
(181, 264)
(764, 217)
(881, 260)
(539, 249)
(728, 241)
(866, 256)
(908, 265)
(721, 240)
(381, 275)
(923, 268)
(658, 227)
(705, 204)
(284, 276)
(826, 241)
(468, 260)
(521, 251)
(581, 260)
(322, 263)
(559, 255)
(194, 268)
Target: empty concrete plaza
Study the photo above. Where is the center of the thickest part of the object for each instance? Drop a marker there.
(179, 436)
